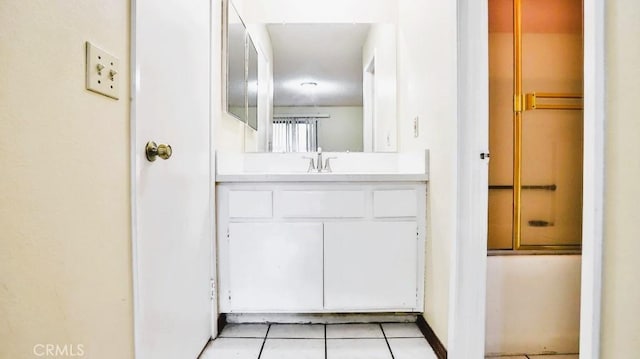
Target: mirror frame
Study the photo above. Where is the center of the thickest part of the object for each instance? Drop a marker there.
(229, 7)
(250, 62)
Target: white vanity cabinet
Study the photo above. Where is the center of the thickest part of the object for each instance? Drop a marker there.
(275, 265)
(370, 265)
(321, 247)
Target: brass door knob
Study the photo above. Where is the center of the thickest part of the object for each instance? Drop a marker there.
(154, 150)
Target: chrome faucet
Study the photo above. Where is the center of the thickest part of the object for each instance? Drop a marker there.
(317, 165)
(327, 164)
(319, 160)
(312, 166)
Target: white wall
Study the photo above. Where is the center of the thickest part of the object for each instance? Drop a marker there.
(341, 132)
(621, 287)
(381, 47)
(427, 78)
(65, 238)
(533, 304)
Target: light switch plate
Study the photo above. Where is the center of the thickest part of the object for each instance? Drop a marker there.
(103, 72)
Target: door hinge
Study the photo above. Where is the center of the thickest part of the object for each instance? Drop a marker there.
(212, 289)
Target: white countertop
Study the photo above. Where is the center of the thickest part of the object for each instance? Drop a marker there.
(322, 177)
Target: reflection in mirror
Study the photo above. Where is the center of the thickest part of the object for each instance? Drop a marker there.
(334, 86)
(317, 86)
(236, 84)
(252, 84)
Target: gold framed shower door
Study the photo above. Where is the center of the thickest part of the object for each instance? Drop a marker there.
(525, 102)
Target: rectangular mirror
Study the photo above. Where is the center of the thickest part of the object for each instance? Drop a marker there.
(325, 80)
(334, 87)
(236, 65)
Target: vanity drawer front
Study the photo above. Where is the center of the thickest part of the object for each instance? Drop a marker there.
(320, 203)
(395, 203)
(250, 204)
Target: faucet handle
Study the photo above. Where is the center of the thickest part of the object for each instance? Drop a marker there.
(327, 164)
(312, 165)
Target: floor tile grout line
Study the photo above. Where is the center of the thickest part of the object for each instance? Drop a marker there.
(386, 340)
(264, 341)
(364, 338)
(294, 338)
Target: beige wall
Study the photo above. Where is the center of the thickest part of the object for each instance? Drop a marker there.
(427, 77)
(621, 287)
(65, 251)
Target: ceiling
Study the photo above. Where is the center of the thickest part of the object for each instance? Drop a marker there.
(328, 54)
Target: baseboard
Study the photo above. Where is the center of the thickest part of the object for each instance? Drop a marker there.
(432, 338)
(321, 318)
(222, 321)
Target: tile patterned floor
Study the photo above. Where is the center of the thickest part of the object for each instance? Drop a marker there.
(319, 341)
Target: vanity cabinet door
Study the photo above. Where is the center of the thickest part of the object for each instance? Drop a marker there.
(370, 265)
(275, 267)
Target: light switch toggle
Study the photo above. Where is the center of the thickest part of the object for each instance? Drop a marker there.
(101, 70)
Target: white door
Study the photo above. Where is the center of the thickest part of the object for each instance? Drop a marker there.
(172, 219)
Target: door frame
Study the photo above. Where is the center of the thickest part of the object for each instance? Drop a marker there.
(466, 309)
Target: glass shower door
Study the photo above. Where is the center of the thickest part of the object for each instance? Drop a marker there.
(501, 79)
(535, 124)
(551, 127)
